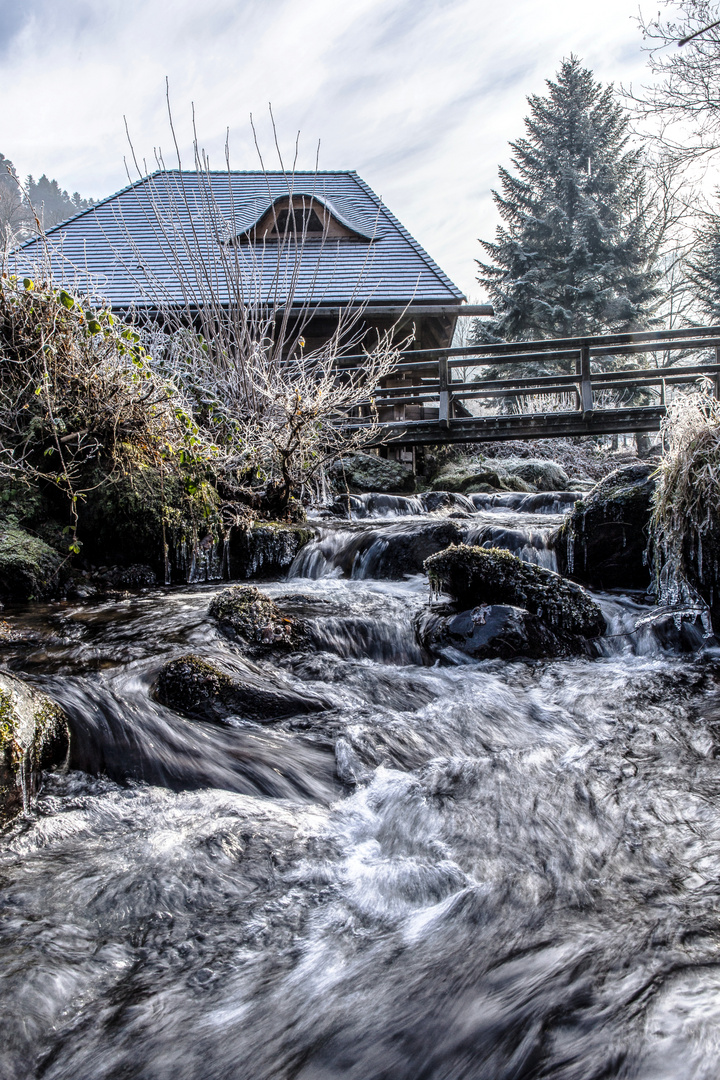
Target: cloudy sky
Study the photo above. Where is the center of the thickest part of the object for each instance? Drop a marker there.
(419, 96)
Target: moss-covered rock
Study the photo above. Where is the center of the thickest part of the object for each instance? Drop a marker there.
(33, 736)
(524, 474)
(542, 475)
(201, 690)
(603, 540)
(471, 478)
(475, 576)
(265, 549)
(129, 520)
(251, 618)
(29, 568)
(359, 473)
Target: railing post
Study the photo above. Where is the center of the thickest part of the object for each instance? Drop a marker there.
(716, 380)
(586, 391)
(444, 381)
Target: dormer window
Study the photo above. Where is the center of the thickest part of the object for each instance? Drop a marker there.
(298, 217)
(304, 220)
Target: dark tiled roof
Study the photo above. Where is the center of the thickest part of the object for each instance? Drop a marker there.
(125, 243)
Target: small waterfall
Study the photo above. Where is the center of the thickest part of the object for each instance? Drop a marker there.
(530, 544)
(377, 505)
(391, 547)
(539, 502)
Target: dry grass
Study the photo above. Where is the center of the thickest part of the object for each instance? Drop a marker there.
(685, 526)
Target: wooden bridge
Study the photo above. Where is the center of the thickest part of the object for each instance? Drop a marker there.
(439, 395)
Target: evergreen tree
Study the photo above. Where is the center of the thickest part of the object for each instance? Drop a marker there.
(13, 213)
(51, 203)
(574, 253)
(703, 269)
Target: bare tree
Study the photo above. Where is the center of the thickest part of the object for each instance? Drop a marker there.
(683, 104)
(229, 315)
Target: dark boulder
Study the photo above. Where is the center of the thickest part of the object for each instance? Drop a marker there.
(603, 540)
(488, 631)
(358, 473)
(401, 549)
(540, 613)
(201, 690)
(33, 736)
(252, 619)
(264, 550)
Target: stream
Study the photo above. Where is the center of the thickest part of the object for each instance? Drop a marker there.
(453, 870)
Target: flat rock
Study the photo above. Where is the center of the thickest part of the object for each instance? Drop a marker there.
(202, 690)
(488, 631)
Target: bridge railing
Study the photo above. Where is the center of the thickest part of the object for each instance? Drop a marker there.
(434, 382)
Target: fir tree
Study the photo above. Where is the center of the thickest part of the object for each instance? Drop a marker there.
(13, 213)
(51, 203)
(574, 253)
(703, 269)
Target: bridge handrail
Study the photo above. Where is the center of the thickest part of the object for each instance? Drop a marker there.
(693, 337)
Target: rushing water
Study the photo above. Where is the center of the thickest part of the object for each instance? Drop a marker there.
(484, 870)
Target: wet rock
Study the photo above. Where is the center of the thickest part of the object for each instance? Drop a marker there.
(136, 576)
(33, 736)
(488, 631)
(679, 631)
(393, 554)
(358, 473)
(129, 521)
(201, 690)
(603, 540)
(29, 568)
(251, 618)
(564, 618)
(264, 550)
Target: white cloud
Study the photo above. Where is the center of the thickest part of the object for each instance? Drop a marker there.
(420, 97)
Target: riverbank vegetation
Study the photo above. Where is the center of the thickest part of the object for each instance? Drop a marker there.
(685, 523)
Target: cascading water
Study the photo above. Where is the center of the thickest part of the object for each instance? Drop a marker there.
(498, 869)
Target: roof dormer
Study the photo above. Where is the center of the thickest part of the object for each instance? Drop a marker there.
(299, 217)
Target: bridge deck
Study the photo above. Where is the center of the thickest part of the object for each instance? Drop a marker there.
(523, 426)
(426, 402)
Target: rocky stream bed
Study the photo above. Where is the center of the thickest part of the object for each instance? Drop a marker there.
(346, 826)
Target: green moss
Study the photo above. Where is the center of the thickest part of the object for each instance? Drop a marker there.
(253, 618)
(29, 568)
(126, 520)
